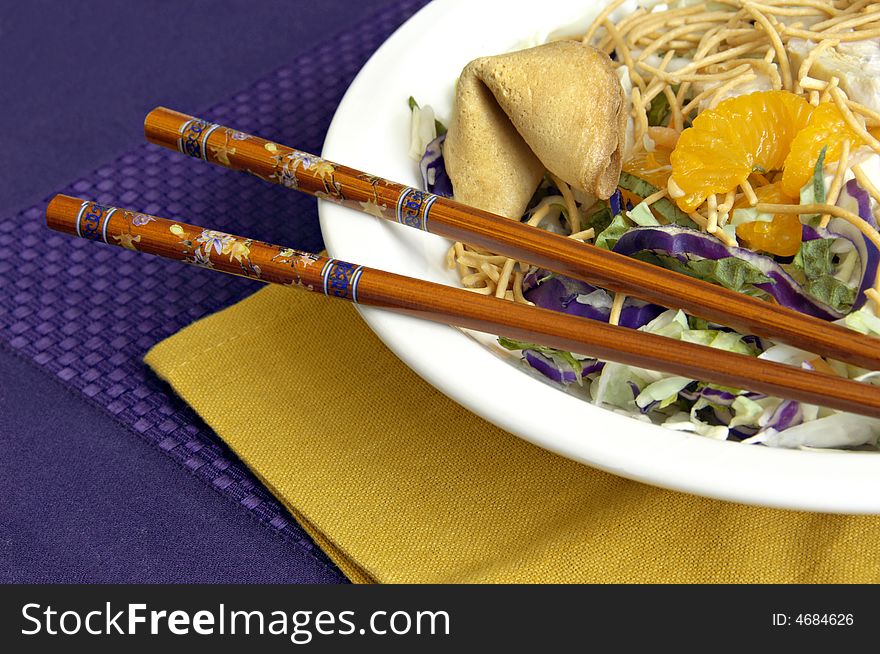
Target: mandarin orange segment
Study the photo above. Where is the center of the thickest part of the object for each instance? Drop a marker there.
(826, 128)
(652, 167)
(726, 144)
(781, 236)
(770, 193)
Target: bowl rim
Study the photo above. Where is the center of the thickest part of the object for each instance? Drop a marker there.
(370, 131)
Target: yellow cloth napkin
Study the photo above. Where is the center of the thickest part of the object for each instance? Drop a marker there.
(399, 484)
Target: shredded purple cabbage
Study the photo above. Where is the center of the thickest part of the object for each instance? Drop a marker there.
(577, 298)
(788, 414)
(557, 370)
(861, 196)
(614, 202)
(713, 395)
(869, 256)
(716, 395)
(684, 243)
(433, 169)
(645, 410)
(742, 432)
(809, 234)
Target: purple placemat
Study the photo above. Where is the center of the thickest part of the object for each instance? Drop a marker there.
(88, 314)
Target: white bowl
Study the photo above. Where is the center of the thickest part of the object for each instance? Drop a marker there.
(370, 131)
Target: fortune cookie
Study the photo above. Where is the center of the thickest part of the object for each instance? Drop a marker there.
(558, 107)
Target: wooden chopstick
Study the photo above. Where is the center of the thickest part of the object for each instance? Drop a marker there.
(379, 197)
(177, 240)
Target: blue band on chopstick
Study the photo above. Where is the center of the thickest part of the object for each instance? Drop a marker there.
(106, 223)
(92, 221)
(205, 140)
(341, 279)
(355, 280)
(79, 217)
(324, 272)
(183, 129)
(413, 207)
(193, 139)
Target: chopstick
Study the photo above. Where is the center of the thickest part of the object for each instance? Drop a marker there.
(379, 197)
(277, 264)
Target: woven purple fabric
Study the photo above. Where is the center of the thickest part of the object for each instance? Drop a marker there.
(87, 313)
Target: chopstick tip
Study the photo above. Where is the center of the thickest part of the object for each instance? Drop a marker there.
(59, 211)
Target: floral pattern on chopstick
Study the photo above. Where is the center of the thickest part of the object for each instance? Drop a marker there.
(198, 250)
(139, 219)
(293, 169)
(221, 152)
(286, 166)
(127, 238)
(302, 171)
(298, 262)
(373, 206)
(208, 248)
